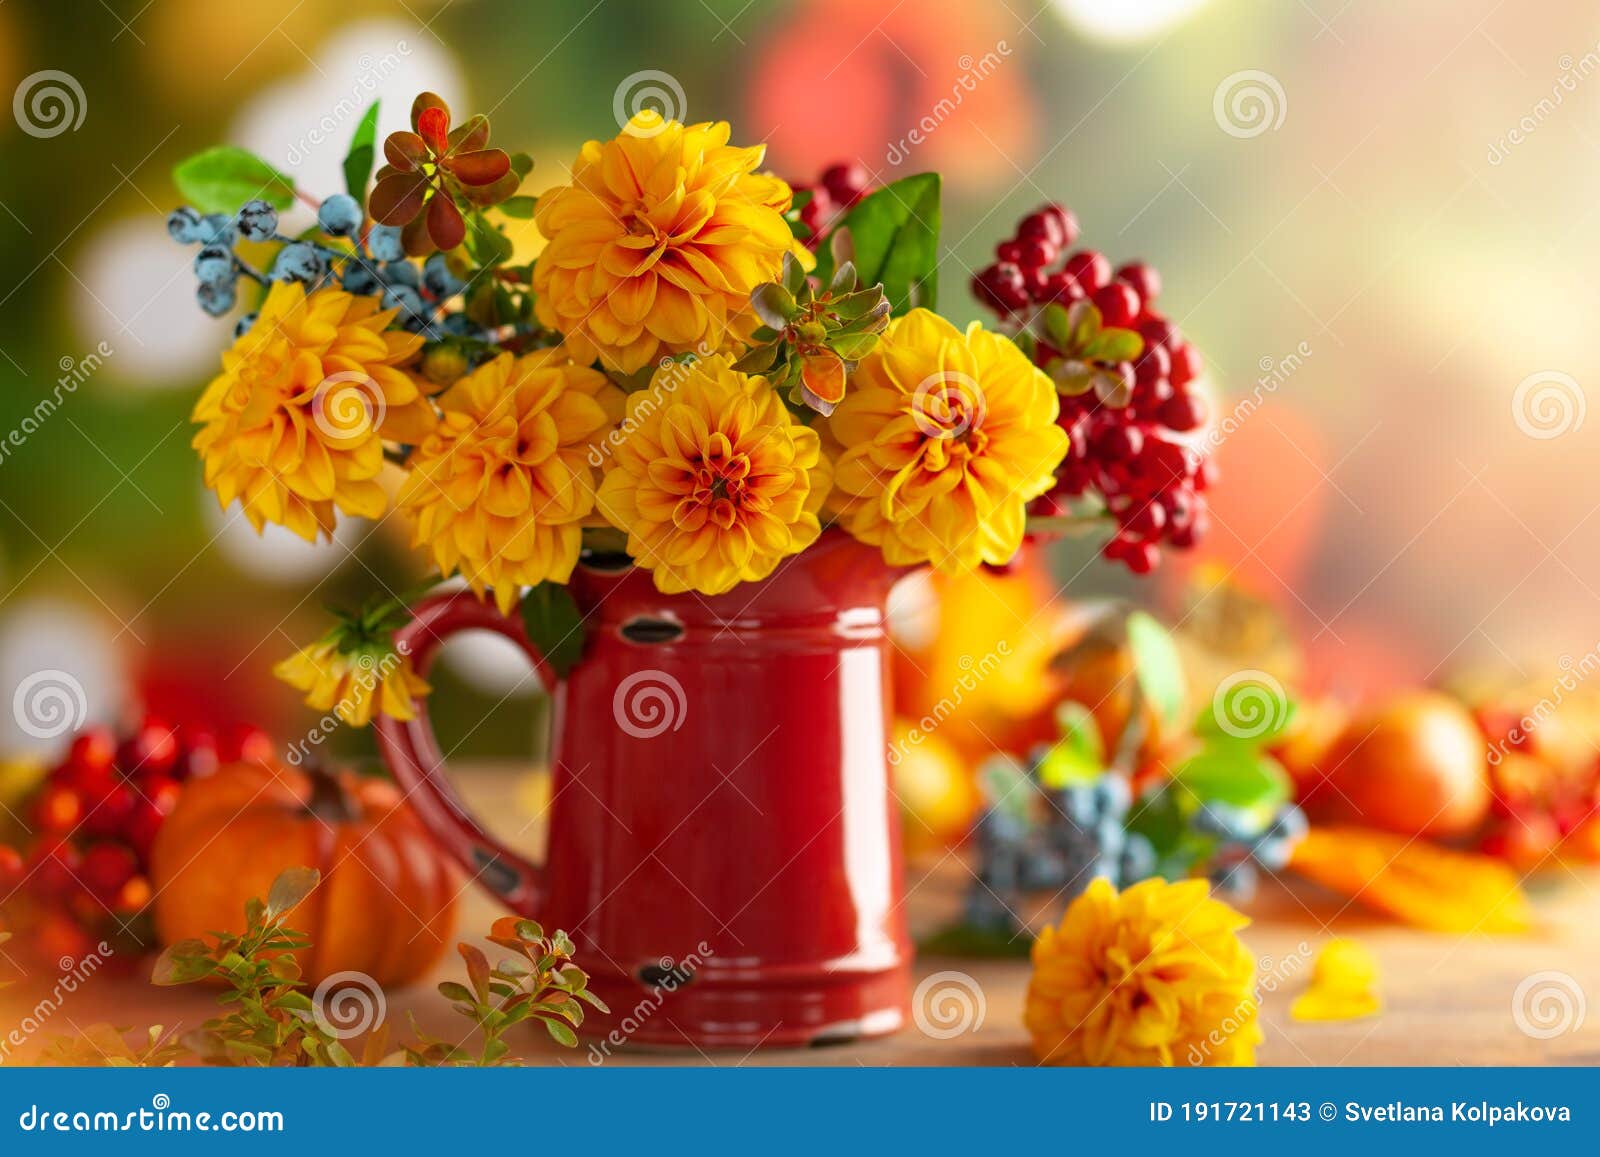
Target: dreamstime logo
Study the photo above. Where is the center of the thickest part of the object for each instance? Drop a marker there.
(49, 703)
(74, 372)
(349, 1004)
(651, 90)
(348, 407)
(948, 1004)
(369, 675)
(947, 404)
(1548, 1004)
(1274, 373)
(49, 103)
(973, 672)
(1548, 404)
(973, 72)
(1248, 704)
(649, 703)
(1249, 103)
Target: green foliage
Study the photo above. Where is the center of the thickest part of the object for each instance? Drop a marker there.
(1089, 352)
(554, 625)
(363, 149)
(537, 983)
(894, 232)
(268, 1018)
(811, 339)
(221, 179)
(1079, 756)
(1156, 665)
(104, 1046)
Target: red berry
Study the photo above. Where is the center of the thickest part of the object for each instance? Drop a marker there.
(1090, 269)
(11, 870)
(1205, 475)
(106, 868)
(1165, 462)
(1142, 557)
(58, 808)
(1118, 304)
(152, 750)
(133, 896)
(1002, 287)
(198, 755)
(52, 868)
(1035, 254)
(1186, 363)
(1153, 365)
(1064, 221)
(1191, 532)
(1183, 412)
(1158, 331)
(1119, 443)
(1009, 252)
(95, 747)
(847, 182)
(1144, 519)
(148, 815)
(1145, 280)
(246, 744)
(110, 814)
(1061, 287)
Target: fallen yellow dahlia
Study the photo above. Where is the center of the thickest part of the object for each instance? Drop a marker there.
(1154, 975)
(944, 438)
(354, 685)
(500, 491)
(655, 246)
(714, 480)
(294, 425)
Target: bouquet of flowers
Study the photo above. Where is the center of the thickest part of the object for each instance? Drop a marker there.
(702, 368)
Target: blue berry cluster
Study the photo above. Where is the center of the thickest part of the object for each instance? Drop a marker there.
(1246, 840)
(1033, 838)
(376, 265)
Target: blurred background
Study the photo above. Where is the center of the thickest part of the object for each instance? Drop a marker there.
(1373, 217)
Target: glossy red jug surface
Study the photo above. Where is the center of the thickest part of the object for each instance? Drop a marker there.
(724, 847)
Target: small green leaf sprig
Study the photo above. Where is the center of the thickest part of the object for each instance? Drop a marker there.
(538, 983)
(813, 337)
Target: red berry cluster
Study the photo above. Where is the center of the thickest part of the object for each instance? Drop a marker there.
(97, 813)
(1129, 454)
(839, 187)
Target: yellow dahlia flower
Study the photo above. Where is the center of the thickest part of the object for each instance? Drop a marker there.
(501, 490)
(944, 437)
(1155, 975)
(713, 480)
(354, 685)
(294, 425)
(655, 246)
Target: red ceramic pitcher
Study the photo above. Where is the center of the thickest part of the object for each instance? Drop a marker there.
(724, 848)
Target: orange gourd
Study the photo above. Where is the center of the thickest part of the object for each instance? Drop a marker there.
(386, 903)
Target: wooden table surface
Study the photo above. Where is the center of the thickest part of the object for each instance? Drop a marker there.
(1448, 1000)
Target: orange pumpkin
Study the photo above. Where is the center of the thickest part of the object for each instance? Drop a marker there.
(386, 904)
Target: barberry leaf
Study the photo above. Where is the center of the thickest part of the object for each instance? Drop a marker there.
(519, 207)
(292, 886)
(221, 179)
(893, 239)
(554, 625)
(363, 148)
(1156, 665)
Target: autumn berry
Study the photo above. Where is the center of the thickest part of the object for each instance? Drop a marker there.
(1089, 269)
(58, 809)
(1118, 304)
(1146, 282)
(106, 867)
(11, 870)
(1186, 363)
(52, 869)
(846, 183)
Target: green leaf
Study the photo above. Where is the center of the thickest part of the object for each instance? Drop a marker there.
(1159, 818)
(292, 886)
(522, 208)
(894, 233)
(1157, 667)
(1006, 785)
(363, 147)
(222, 179)
(1079, 757)
(486, 245)
(1234, 774)
(554, 625)
(560, 1033)
(1115, 345)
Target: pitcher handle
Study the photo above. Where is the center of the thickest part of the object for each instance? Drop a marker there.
(412, 753)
